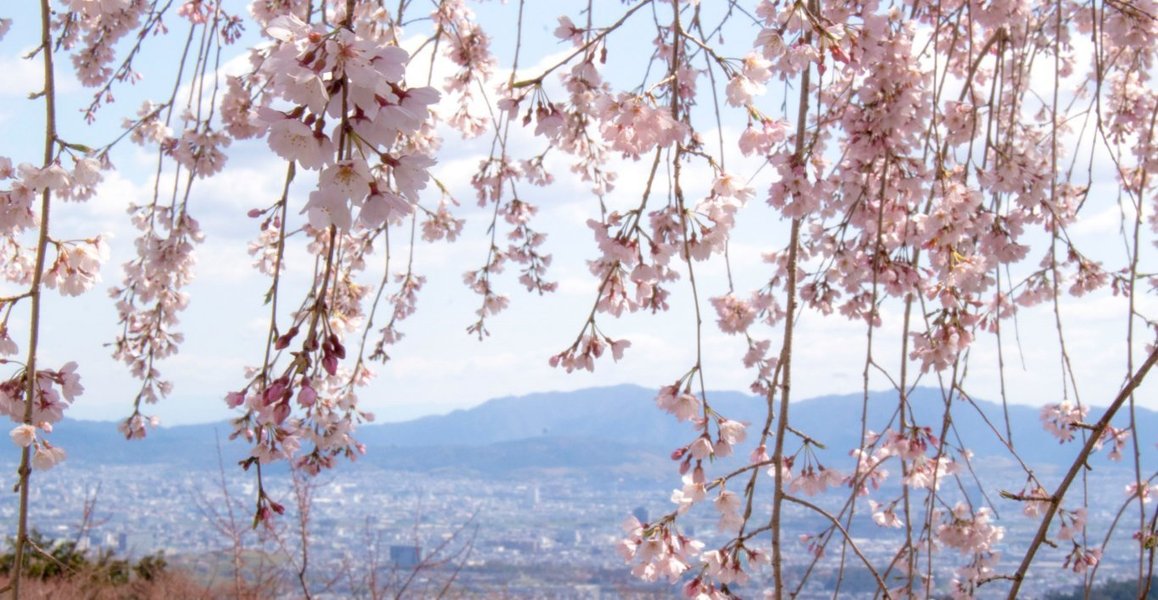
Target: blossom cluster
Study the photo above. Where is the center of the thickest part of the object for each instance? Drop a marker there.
(71, 267)
(52, 392)
(924, 175)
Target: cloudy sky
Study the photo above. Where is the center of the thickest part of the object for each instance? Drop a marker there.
(440, 367)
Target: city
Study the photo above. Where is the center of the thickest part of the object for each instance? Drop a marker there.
(538, 535)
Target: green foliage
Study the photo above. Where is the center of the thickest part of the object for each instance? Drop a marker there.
(107, 569)
(151, 567)
(46, 559)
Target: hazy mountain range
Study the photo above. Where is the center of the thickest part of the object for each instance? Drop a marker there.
(612, 428)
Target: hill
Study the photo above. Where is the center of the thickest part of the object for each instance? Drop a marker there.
(596, 428)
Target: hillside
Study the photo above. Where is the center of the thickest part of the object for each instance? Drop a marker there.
(604, 428)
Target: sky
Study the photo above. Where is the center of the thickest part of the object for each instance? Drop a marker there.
(438, 366)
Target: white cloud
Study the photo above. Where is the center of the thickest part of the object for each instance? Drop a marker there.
(438, 366)
(1103, 219)
(24, 77)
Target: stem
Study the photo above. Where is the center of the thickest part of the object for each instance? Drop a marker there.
(580, 50)
(25, 469)
(884, 589)
(1078, 464)
(786, 349)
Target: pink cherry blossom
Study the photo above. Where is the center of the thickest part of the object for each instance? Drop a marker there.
(293, 140)
(684, 406)
(47, 456)
(1058, 419)
(23, 435)
(926, 177)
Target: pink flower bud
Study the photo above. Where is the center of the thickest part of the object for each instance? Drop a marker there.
(234, 399)
(308, 395)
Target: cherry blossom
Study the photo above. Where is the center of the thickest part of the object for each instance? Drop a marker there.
(1059, 419)
(47, 456)
(1082, 558)
(914, 171)
(885, 515)
(969, 531)
(23, 435)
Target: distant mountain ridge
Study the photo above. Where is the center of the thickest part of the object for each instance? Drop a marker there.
(596, 427)
(628, 414)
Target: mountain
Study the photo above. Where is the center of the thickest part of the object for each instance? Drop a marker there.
(627, 414)
(598, 428)
(624, 413)
(100, 443)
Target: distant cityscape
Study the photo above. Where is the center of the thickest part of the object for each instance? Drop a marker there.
(519, 498)
(547, 537)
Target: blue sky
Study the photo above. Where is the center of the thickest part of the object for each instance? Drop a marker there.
(438, 366)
